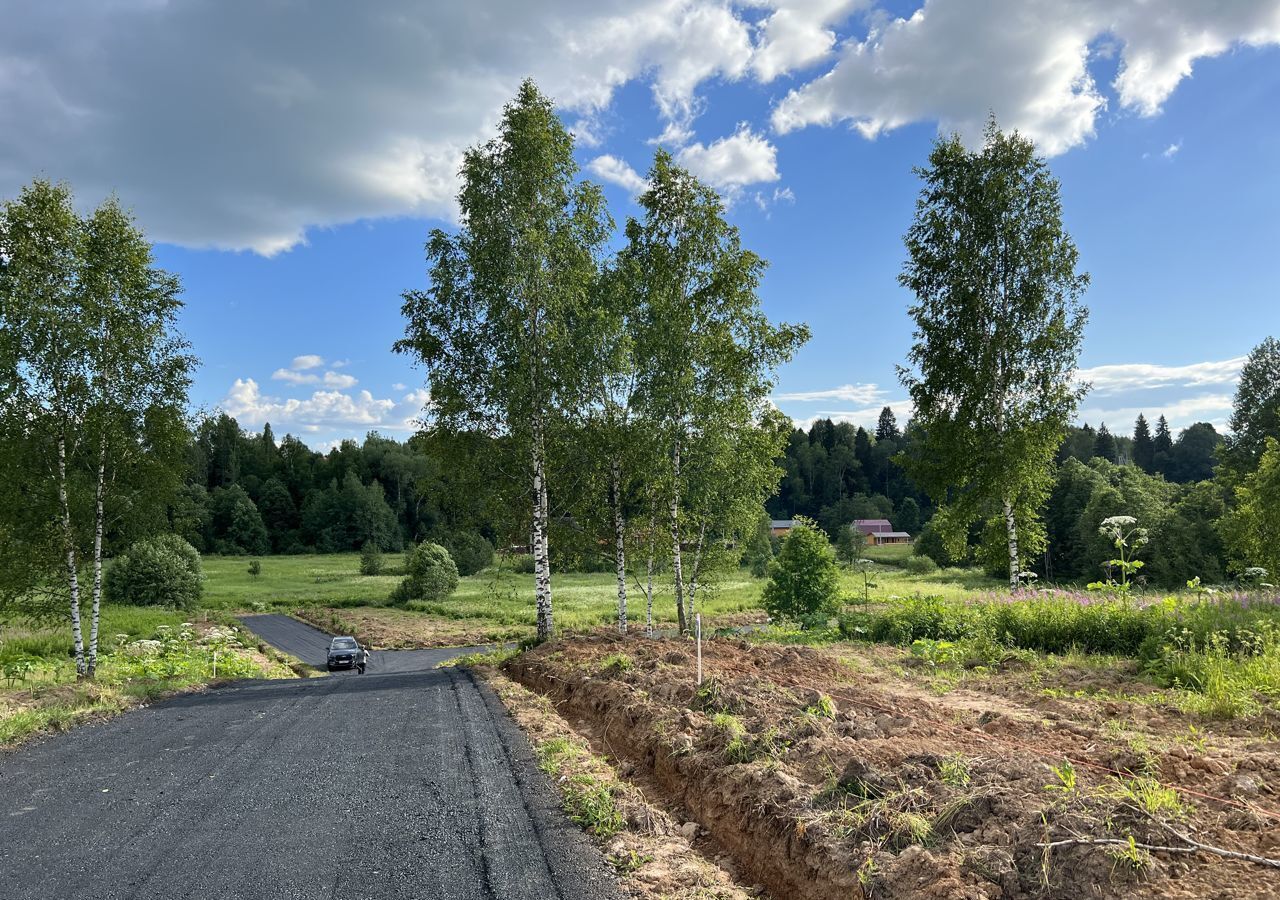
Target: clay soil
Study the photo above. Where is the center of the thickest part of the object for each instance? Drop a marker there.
(840, 773)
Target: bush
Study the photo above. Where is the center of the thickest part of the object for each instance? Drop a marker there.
(370, 559)
(159, 571)
(522, 564)
(470, 552)
(920, 565)
(930, 544)
(804, 579)
(430, 574)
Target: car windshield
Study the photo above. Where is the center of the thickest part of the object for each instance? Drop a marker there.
(343, 644)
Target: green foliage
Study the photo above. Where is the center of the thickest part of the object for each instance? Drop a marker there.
(255, 568)
(1252, 530)
(804, 578)
(236, 524)
(430, 575)
(759, 550)
(370, 559)
(469, 550)
(920, 565)
(1255, 415)
(998, 330)
(159, 571)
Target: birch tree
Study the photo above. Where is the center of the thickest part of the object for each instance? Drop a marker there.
(45, 395)
(93, 390)
(139, 375)
(706, 352)
(493, 331)
(997, 340)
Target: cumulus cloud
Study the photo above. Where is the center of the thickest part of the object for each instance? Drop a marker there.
(797, 34)
(1143, 376)
(848, 393)
(616, 171)
(239, 126)
(730, 163)
(307, 361)
(1172, 150)
(325, 411)
(953, 62)
(329, 379)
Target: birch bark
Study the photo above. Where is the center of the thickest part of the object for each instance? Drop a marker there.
(73, 577)
(620, 546)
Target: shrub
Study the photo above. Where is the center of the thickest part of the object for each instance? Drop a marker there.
(920, 565)
(255, 568)
(430, 574)
(158, 571)
(470, 552)
(370, 559)
(804, 579)
(931, 545)
(522, 564)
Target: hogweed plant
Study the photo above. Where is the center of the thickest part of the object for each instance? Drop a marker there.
(1128, 538)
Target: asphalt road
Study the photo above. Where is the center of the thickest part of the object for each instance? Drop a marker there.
(405, 782)
(311, 645)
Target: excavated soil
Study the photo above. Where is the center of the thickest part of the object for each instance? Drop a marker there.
(828, 776)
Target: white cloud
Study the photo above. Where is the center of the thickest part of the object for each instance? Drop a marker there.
(797, 34)
(398, 386)
(730, 163)
(867, 417)
(953, 62)
(849, 393)
(616, 171)
(307, 361)
(1212, 408)
(1172, 150)
(240, 126)
(340, 380)
(329, 379)
(1143, 376)
(324, 411)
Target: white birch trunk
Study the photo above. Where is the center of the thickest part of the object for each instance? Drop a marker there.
(541, 558)
(676, 568)
(620, 547)
(697, 568)
(1011, 523)
(97, 558)
(73, 578)
(648, 590)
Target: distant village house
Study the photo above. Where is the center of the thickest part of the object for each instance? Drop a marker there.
(877, 532)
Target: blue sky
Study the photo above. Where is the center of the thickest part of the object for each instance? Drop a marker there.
(291, 161)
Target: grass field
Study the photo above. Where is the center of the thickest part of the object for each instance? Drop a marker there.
(500, 597)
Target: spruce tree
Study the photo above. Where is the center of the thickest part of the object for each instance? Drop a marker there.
(887, 426)
(1144, 448)
(1104, 445)
(1162, 445)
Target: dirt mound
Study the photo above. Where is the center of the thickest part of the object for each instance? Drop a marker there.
(822, 784)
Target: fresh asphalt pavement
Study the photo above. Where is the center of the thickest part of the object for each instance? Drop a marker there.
(406, 782)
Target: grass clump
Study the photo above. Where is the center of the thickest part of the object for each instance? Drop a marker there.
(616, 662)
(588, 800)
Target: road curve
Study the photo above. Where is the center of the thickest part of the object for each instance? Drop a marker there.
(406, 784)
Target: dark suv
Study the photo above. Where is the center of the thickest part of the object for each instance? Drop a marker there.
(344, 653)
